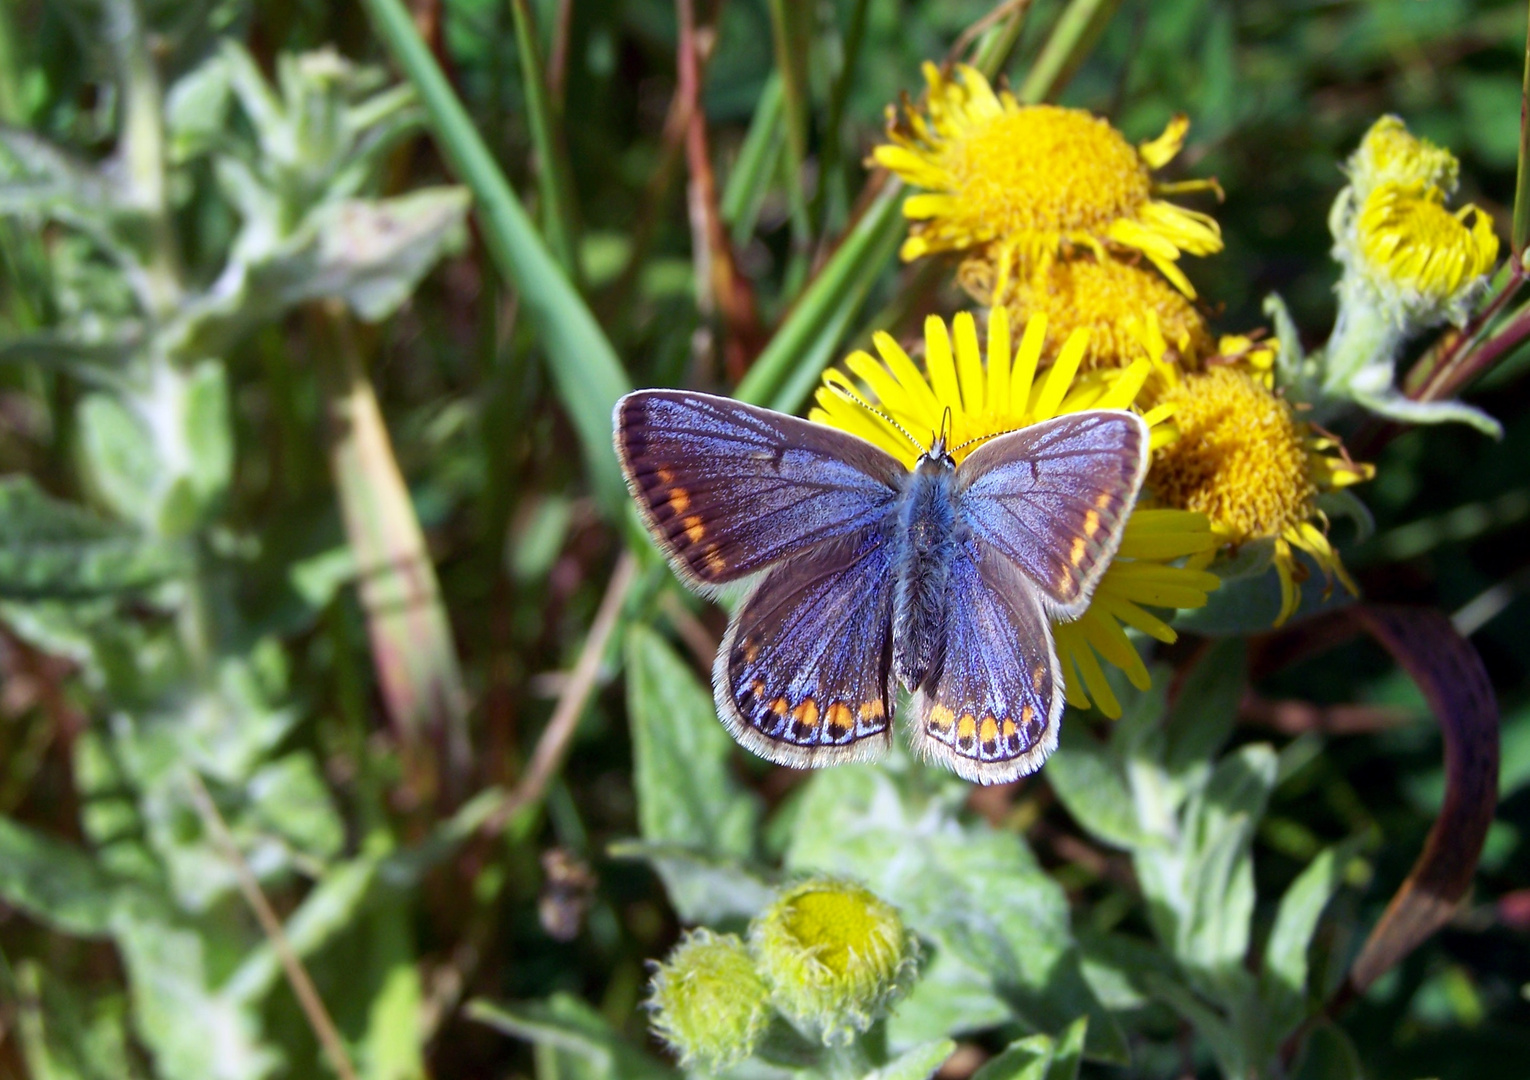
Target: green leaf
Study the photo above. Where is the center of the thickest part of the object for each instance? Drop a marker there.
(119, 459)
(702, 889)
(56, 883)
(919, 1063)
(1206, 707)
(1222, 824)
(64, 1038)
(1329, 1054)
(289, 797)
(1283, 977)
(564, 1022)
(55, 550)
(686, 796)
(946, 877)
(194, 1032)
(1089, 782)
(1039, 1057)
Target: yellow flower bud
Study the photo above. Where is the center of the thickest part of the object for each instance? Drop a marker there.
(709, 1002)
(835, 957)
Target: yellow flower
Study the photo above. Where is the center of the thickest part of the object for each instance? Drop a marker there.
(1108, 297)
(1413, 245)
(1244, 460)
(1020, 185)
(1003, 394)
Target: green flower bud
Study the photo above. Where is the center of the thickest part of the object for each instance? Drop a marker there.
(709, 1002)
(835, 956)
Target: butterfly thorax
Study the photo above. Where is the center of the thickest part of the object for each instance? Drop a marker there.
(928, 531)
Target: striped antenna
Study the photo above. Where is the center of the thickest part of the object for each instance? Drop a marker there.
(851, 396)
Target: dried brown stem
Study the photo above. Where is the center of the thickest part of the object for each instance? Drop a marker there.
(719, 285)
(552, 747)
(297, 975)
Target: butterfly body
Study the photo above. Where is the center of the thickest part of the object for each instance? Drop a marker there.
(925, 542)
(865, 573)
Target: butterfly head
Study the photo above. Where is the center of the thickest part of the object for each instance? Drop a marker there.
(938, 457)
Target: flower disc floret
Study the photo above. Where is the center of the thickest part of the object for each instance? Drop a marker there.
(835, 956)
(1107, 297)
(709, 1002)
(1020, 185)
(1244, 460)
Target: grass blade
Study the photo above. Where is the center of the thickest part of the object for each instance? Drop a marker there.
(1076, 31)
(554, 185)
(583, 365)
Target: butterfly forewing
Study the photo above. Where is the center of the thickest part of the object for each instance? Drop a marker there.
(991, 709)
(728, 489)
(1054, 498)
(804, 674)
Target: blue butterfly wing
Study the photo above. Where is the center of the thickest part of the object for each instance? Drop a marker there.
(728, 489)
(1054, 498)
(804, 675)
(990, 710)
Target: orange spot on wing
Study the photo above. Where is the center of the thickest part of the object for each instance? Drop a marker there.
(806, 714)
(780, 706)
(988, 730)
(941, 719)
(666, 476)
(1076, 554)
(695, 528)
(1008, 729)
(757, 688)
(1091, 522)
(840, 720)
(1038, 676)
(1104, 499)
(871, 710)
(715, 562)
(680, 499)
(966, 728)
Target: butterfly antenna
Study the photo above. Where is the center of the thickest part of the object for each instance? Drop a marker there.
(985, 438)
(851, 396)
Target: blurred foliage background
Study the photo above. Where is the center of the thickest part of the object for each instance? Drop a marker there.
(307, 541)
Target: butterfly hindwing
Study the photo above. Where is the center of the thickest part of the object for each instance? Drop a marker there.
(803, 676)
(990, 710)
(728, 489)
(1053, 498)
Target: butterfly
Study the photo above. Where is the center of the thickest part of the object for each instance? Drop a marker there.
(862, 572)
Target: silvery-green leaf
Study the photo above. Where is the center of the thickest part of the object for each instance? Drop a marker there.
(55, 883)
(565, 1023)
(194, 1032)
(196, 110)
(686, 795)
(1206, 708)
(1283, 975)
(51, 549)
(1088, 781)
(917, 1063)
(702, 889)
(65, 1036)
(1250, 602)
(290, 798)
(119, 459)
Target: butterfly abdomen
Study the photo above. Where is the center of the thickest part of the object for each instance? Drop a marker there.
(927, 536)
